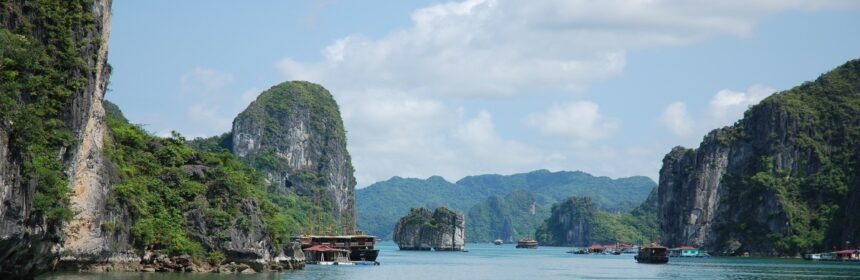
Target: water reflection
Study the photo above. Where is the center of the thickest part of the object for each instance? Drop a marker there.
(487, 261)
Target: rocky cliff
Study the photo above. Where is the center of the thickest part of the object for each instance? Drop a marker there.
(294, 134)
(570, 223)
(508, 218)
(577, 222)
(781, 181)
(54, 76)
(440, 230)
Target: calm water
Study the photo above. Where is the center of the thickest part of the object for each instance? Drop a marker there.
(487, 261)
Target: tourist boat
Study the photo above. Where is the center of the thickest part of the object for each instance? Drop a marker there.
(848, 255)
(687, 252)
(359, 247)
(527, 244)
(498, 242)
(652, 254)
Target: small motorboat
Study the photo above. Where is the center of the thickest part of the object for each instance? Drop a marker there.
(498, 242)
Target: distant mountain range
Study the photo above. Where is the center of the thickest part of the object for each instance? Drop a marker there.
(488, 201)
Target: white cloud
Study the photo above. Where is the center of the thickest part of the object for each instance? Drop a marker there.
(393, 133)
(505, 47)
(579, 122)
(676, 119)
(208, 115)
(204, 81)
(730, 105)
(725, 108)
(400, 93)
(209, 101)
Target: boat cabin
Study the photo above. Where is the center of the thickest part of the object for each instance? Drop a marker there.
(653, 254)
(527, 244)
(686, 251)
(321, 254)
(596, 249)
(847, 255)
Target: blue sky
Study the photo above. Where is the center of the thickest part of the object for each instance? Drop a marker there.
(479, 86)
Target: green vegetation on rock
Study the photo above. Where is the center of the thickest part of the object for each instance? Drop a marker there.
(577, 222)
(823, 123)
(162, 180)
(507, 218)
(41, 68)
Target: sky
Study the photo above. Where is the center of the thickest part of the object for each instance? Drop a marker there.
(479, 86)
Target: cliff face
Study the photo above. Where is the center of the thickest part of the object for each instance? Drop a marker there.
(781, 181)
(570, 223)
(37, 160)
(507, 218)
(293, 133)
(441, 230)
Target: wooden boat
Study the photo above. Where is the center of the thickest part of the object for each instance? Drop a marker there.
(498, 242)
(652, 254)
(359, 247)
(527, 244)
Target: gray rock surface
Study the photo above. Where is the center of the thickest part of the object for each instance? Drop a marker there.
(28, 247)
(294, 134)
(767, 185)
(441, 230)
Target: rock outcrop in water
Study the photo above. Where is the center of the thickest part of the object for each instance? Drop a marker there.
(440, 230)
(781, 181)
(294, 134)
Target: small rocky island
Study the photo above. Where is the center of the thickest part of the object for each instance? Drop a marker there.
(422, 230)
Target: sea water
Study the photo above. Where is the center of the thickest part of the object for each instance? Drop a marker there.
(488, 261)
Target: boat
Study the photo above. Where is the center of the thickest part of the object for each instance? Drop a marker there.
(848, 255)
(498, 242)
(596, 249)
(326, 255)
(359, 247)
(687, 252)
(578, 251)
(652, 254)
(527, 244)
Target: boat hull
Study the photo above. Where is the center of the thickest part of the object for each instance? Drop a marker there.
(652, 259)
(364, 255)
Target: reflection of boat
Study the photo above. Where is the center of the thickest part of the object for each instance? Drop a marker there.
(498, 242)
(527, 244)
(358, 247)
(652, 254)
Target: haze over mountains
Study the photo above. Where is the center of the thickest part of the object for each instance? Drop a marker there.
(380, 205)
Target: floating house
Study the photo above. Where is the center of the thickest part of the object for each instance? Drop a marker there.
(325, 255)
(687, 252)
(527, 244)
(596, 249)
